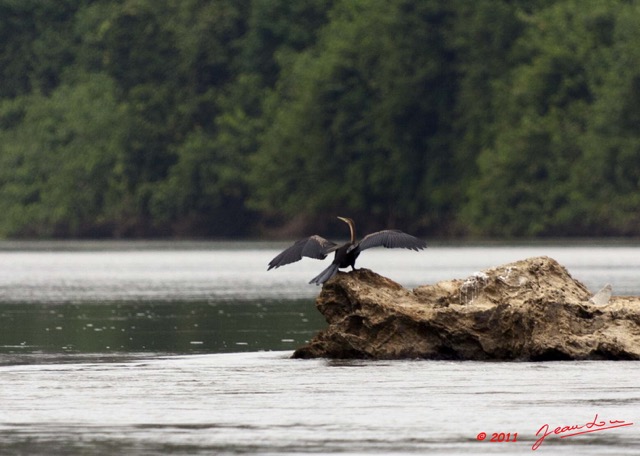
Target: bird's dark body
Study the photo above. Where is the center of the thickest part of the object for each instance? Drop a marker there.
(345, 255)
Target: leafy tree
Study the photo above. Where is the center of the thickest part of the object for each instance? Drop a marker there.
(482, 34)
(206, 189)
(226, 69)
(57, 166)
(36, 44)
(276, 28)
(170, 60)
(606, 181)
(525, 184)
(200, 117)
(360, 120)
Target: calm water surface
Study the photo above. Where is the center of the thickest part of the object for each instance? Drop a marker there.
(184, 349)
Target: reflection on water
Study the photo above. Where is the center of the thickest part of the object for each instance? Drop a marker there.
(89, 334)
(166, 327)
(268, 404)
(181, 298)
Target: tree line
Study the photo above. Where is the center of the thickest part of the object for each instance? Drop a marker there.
(235, 118)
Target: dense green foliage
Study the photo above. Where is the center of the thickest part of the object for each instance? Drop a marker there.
(231, 117)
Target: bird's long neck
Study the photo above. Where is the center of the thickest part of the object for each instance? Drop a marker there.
(352, 230)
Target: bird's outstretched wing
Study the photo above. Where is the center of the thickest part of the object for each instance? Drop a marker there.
(313, 247)
(392, 239)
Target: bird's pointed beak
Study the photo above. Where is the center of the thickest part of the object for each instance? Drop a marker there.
(344, 219)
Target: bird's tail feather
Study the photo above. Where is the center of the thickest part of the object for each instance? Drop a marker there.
(325, 275)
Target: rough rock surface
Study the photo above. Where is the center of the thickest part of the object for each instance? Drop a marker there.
(528, 310)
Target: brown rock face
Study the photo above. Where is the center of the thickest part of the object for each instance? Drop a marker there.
(527, 310)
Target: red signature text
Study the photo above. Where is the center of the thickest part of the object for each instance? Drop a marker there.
(594, 425)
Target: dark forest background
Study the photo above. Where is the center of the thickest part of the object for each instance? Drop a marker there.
(246, 118)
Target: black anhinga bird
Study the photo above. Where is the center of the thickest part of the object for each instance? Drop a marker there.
(318, 247)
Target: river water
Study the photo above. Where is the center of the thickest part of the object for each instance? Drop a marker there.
(158, 348)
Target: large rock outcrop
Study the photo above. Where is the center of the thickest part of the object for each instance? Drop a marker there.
(527, 310)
